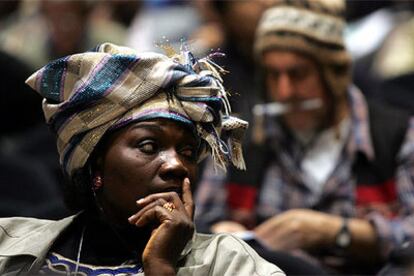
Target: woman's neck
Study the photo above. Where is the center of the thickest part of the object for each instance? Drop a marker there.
(103, 243)
(108, 238)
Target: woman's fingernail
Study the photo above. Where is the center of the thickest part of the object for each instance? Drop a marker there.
(140, 201)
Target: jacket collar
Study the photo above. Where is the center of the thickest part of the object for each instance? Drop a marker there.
(37, 241)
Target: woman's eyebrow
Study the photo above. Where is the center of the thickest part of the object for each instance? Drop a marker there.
(148, 126)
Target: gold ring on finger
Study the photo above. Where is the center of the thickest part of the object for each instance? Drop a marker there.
(169, 206)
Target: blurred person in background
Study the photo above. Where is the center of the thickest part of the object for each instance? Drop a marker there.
(329, 176)
(230, 27)
(54, 29)
(29, 184)
(384, 63)
(163, 22)
(8, 9)
(369, 23)
(13, 72)
(32, 33)
(122, 12)
(30, 181)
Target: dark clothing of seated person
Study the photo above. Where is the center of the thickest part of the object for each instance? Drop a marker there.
(131, 128)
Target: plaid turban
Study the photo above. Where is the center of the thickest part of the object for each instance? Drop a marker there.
(90, 93)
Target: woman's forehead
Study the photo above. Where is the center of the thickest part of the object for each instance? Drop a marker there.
(162, 125)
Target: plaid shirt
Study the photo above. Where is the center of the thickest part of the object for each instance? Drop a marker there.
(284, 184)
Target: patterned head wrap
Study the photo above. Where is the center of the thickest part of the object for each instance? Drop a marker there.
(90, 93)
(311, 27)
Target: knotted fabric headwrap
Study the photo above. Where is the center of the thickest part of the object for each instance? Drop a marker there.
(311, 27)
(90, 93)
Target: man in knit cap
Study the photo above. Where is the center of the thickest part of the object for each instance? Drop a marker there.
(329, 175)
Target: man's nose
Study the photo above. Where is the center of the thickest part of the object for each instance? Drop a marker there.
(285, 88)
(173, 166)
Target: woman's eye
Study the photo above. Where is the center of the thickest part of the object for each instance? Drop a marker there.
(148, 147)
(189, 152)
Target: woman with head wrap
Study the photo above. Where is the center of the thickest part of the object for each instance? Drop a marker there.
(131, 128)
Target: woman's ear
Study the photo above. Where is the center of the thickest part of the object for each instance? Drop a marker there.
(96, 173)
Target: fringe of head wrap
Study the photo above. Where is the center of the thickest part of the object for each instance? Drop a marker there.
(234, 128)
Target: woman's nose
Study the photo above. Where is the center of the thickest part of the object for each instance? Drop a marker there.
(173, 166)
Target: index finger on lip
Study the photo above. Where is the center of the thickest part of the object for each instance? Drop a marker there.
(188, 197)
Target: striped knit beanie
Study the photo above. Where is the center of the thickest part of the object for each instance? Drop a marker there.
(87, 94)
(311, 27)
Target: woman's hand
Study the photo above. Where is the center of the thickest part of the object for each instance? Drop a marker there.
(174, 228)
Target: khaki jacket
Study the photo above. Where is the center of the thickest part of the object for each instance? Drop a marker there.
(25, 242)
